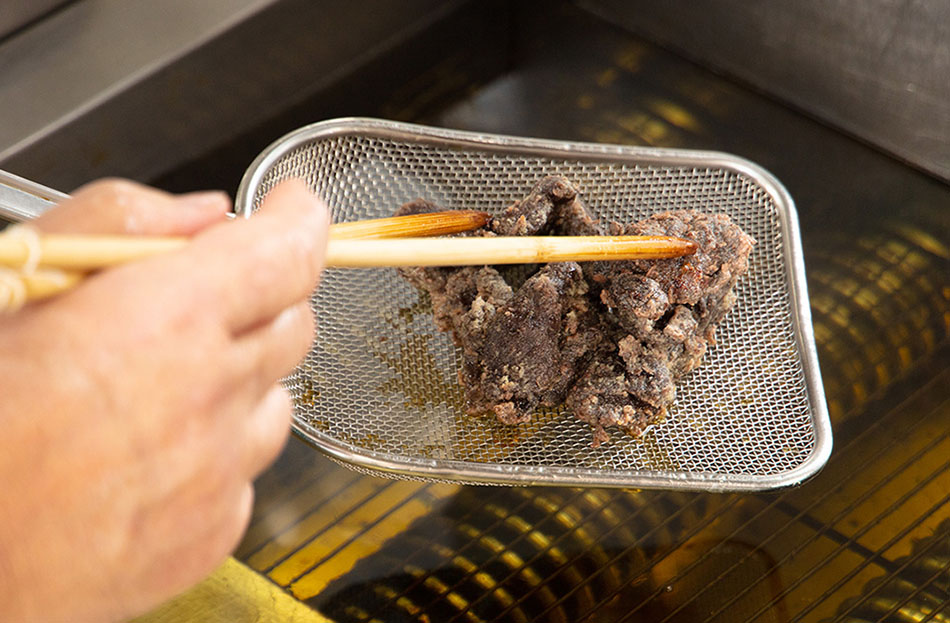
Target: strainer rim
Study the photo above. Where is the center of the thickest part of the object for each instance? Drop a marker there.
(465, 471)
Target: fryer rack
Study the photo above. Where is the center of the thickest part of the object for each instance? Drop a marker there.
(378, 390)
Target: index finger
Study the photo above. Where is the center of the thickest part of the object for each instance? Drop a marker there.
(257, 267)
(114, 206)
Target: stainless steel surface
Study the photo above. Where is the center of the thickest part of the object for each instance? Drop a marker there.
(21, 199)
(132, 88)
(18, 13)
(379, 389)
(72, 63)
(875, 69)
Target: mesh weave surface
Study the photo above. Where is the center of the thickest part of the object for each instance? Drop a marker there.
(382, 379)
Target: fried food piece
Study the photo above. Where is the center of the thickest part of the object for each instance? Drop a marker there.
(666, 312)
(529, 349)
(552, 207)
(609, 339)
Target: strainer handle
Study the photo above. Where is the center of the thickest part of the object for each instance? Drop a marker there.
(22, 200)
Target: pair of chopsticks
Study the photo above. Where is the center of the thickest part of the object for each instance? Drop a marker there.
(41, 265)
(394, 242)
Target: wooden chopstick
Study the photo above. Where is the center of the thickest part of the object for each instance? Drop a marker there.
(429, 224)
(89, 252)
(31, 256)
(16, 288)
(45, 282)
(502, 250)
(86, 253)
(62, 260)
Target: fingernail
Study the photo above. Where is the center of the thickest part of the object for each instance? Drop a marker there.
(206, 200)
(323, 212)
(294, 316)
(319, 215)
(288, 316)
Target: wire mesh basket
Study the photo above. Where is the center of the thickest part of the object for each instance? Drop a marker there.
(379, 390)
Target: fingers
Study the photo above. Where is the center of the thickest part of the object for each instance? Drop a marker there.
(124, 207)
(252, 278)
(255, 268)
(266, 355)
(266, 430)
(170, 378)
(191, 549)
(271, 351)
(249, 270)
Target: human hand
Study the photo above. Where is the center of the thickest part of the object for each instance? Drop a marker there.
(137, 408)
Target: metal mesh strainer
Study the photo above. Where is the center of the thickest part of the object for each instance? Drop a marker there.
(379, 391)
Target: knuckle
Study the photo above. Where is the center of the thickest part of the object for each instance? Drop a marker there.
(304, 324)
(282, 407)
(110, 190)
(125, 204)
(273, 422)
(301, 253)
(285, 270)
(236, 519)
(293, 341)
(204, 399)
(225, 520)
(108, 206)
(307, 334)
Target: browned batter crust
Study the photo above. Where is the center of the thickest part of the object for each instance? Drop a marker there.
(608, 339)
